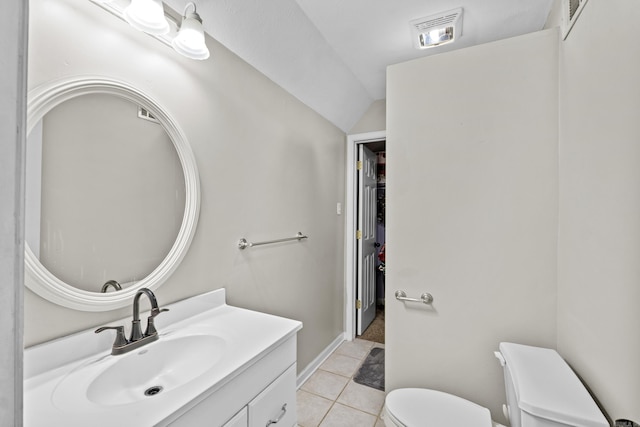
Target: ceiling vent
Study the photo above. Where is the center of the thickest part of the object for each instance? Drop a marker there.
(436, 30)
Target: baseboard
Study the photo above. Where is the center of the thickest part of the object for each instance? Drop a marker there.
(315, 364)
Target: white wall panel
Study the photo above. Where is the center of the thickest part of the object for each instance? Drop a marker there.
(472, 213)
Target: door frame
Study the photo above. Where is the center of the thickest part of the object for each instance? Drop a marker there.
(351, 224)
(13, 130)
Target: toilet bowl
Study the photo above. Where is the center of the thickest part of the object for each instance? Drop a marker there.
(541, 390)
(409, 407)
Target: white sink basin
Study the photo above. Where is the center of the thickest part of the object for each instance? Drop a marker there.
(155, 369)
(206, 350)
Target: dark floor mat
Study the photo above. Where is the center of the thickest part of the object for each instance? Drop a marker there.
(371, 373)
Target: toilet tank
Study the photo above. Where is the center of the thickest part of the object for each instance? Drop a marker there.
(543, 391)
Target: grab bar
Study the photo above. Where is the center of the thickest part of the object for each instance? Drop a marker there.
(243, 243)
(425, 298)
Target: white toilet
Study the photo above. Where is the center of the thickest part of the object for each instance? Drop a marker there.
(541, 389)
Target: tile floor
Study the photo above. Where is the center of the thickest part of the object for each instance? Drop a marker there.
(330, 397)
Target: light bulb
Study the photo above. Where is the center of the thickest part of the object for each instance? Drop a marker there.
(190, 39)
(147, 16)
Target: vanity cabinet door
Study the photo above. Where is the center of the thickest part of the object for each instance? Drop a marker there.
(241, 419)
(275, 406)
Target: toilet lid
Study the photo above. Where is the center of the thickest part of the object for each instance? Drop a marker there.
(414, 407)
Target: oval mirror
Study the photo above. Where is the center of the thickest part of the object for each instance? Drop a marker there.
(112, 193)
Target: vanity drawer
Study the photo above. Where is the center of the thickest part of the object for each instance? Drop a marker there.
(275, 406)
(240, 419)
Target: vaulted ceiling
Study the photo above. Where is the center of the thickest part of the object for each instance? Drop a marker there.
(332, 54)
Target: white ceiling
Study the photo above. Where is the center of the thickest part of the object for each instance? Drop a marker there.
(332, 54)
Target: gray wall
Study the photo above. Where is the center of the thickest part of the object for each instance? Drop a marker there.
(374, 119)
(599, 223)
(13, 41)
(471, 213)
(267, 166)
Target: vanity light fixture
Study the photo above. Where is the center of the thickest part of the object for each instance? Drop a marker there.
(190, 39)
(150, 17)
(436, 30)
(147, 16)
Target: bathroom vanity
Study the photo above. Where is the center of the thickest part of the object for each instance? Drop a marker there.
(213, 365)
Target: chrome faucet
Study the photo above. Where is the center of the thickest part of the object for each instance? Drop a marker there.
(137, 339)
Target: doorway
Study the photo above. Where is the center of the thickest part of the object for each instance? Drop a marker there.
(365, 238)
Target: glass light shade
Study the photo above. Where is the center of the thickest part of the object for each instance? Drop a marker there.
(436, 37)
(147, 16)
(190, 39)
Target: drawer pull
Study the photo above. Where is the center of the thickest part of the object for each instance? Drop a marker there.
(283, 411)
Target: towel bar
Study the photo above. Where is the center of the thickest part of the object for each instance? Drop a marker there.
(243, 243)
(425, 298)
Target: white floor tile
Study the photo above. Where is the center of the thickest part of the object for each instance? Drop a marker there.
(361, 397)
(341, 365)
(357, 348)
(311, 408)
(343, 416)
(330, 397)
(325, 384)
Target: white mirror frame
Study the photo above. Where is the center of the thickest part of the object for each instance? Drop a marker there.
(40, 280)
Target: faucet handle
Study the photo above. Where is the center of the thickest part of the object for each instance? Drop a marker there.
(156, 311)
(120, 340)
(151, 328)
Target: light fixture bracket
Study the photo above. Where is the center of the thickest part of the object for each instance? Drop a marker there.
(191, 15)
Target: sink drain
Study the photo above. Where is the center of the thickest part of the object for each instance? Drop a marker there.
(152, 391)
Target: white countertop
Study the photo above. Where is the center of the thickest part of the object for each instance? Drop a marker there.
(248, 336)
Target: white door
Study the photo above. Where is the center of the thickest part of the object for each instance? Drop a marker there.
(367, 199)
